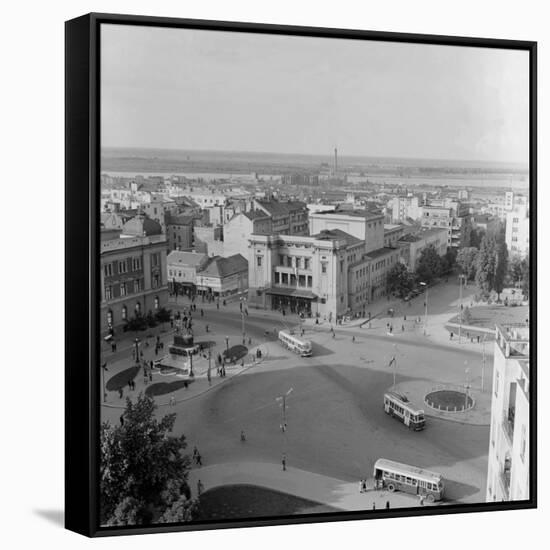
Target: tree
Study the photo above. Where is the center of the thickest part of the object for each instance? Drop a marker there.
(466, 260)
(501, 267)
(476, 236)
(163, 315)
(486, 266)
(448, 261)
(143, 470)
(399, 281)
(515, 270)
(429, 265)
(525, 275)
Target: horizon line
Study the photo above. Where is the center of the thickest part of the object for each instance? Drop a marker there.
(523, 164)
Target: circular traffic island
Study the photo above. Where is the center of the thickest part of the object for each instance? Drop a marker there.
(449, 400)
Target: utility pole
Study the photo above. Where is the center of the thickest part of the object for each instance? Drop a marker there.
(282, 400)
(425, 308)
(460, 310)
(483, 364)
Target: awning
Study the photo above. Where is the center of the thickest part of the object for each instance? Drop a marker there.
(292, 293)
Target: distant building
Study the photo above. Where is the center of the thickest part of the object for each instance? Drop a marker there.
(133, 272)
(158, 208)
(412, 245)
(488, 224)
(405, 207)
(182, 270)
(287, 218)
(508, 461)
(392, 234)
(240, 227)
(208, 239)
(517, 231)
(454, 217)
(179, 231)
(223, 277)
(363, 224)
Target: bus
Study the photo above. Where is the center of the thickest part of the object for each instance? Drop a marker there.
(409, 479)
(400, 407)
(295, 344)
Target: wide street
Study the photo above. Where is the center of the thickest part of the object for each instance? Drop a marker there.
(336, 423)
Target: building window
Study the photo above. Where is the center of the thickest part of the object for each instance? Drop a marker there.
(154, 260)
(157, 303)
(156, 280)
(306, 263)
(138, 308)
(108, 292)
(109, 318)
(259, 261)
(122, 266)
(108, 270)
(323, 267)
(123, 290)
(137, 285)
(309, 281)
(124, 313)
(136, 264)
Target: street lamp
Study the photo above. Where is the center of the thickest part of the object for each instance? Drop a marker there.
(425, 307)
(243, 307)
(227, 343)
(467, 385)
(136, 343)
(460, 308)
(282, 399)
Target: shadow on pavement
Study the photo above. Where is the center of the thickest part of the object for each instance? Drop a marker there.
(454, 490)
(320, 351)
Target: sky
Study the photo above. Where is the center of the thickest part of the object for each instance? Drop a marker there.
(209, 90)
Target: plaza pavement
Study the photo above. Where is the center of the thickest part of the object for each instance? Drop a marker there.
(301, 483)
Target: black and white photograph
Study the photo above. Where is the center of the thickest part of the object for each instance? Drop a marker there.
(314, 275)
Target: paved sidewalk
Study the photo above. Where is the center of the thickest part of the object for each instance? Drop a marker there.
(301, 483)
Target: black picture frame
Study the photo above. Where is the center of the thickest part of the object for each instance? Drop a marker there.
(82, 384)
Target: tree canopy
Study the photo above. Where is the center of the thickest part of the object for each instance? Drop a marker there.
(429, 265)
(492, 265)
(143, 469)
(466, 260)
(399, 281)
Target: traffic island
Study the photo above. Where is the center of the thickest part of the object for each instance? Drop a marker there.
(449, 400)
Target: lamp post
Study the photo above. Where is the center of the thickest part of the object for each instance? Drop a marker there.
(460, 308)
(467, 385)
(227, 343)
(282, 399)
(136, 343)
(243, 307)
(425, 308)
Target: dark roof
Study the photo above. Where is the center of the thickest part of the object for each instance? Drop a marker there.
(336, 234)
(255, 214)
(367, 214)
(276, 208)
(141, 226)
(409, 238)
(373, 254)
(224, 267)
(178, 219)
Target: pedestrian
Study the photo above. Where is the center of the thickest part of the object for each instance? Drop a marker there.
(243, 436)
(421, 500)
(121, 420)
(283, 462)
(478, 338)
(364, 486)
(353, 338)
(404, 317)
(120, 393)
(333, 335)
(451, 336)
(202, 312)
(391, 329)
(249, 341)
(113, 347)
(199, 460)
(402, 328)
(387, 504)
(151, 364)
(217, 305)
(467, 335)
(361, 486)
(374, 505)
(207, 328)
(150, 376)
(200, 488)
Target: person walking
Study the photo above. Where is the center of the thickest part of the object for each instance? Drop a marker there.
(121, 420)
(120, 393)
(199, 460)
(374, 505)
(353, 339)
(283, 462)
(387, 504)
(243, 436)
(207, 328)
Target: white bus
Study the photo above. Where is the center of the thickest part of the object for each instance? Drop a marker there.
(295, 344)
(400, 407)
(401, 477)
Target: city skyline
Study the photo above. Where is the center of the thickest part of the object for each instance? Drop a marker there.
(284, 94)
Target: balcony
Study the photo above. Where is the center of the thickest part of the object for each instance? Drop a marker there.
(508, 424)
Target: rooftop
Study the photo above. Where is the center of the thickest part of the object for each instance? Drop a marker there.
(276, 208)
(336, 235)
(255, 215)
(366, 214)
(190, 259)
(373, 254)
(224, 267)
(141, 226)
